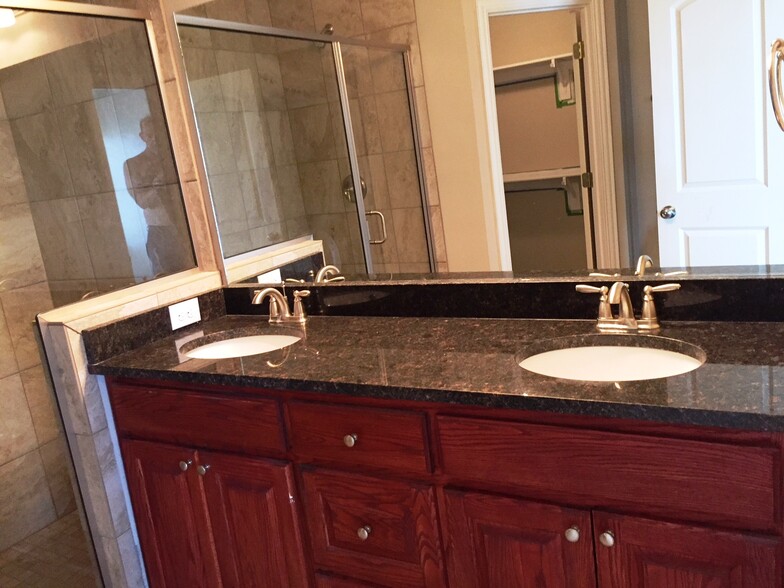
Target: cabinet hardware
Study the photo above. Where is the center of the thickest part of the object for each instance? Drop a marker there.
(202, 469)
(184, 465)
(350, 440)
(572, 534)
(364, 532)
(607, 539)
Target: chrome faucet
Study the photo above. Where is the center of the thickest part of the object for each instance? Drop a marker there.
(279, 306)
(329, 273)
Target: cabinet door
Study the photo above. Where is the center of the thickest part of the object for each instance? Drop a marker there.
(509, 543)
(170, 515)
(654, 553)
(254, 521)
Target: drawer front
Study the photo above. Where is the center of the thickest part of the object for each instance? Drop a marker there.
(719, 483)
(377, 438)
(199, 420)
(376, 530)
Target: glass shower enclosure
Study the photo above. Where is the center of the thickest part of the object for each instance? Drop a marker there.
(309, 134)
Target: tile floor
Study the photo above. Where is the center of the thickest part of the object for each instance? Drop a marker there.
(57, 556)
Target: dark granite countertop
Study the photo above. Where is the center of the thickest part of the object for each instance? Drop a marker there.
(475, 362)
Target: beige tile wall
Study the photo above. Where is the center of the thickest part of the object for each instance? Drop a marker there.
(246, 139)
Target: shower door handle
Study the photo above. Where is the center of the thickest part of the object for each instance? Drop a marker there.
(383, 227)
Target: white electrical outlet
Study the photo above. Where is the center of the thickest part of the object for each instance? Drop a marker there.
(184, 313)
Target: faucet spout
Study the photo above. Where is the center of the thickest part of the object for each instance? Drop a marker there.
(329, 273)
(643, 262)
(279, 306)
(619, 294)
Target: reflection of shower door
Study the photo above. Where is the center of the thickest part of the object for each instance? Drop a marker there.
(285, 119)
(377, 100)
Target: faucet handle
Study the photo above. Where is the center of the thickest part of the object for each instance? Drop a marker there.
(662, 288)
(603, 275)
(649, 320)
(299, 310)
(605, 311)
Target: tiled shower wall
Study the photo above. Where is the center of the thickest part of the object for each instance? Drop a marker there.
(35, 487)
(246, 138)
(73, 116)
(305, 78)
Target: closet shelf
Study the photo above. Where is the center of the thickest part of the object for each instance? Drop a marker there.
(544, 174)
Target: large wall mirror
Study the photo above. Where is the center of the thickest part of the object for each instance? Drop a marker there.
(693, 131)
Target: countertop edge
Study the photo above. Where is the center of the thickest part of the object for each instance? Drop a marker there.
(736, 420)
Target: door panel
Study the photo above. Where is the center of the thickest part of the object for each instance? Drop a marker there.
(653, 553)
(254, 521)
(383, 133)
(509, 543)
(716, 140)
(170, 515)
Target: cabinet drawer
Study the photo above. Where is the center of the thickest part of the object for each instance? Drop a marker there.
(198, 420)
(387, 439)
(372, 529)
(725, 484)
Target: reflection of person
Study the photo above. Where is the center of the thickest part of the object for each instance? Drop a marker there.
(144, 176)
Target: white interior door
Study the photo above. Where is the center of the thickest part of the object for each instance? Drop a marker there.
(719, 152)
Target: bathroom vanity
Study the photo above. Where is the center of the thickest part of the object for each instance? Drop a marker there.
(416, 452)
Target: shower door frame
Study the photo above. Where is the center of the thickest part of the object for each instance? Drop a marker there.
(336, 43)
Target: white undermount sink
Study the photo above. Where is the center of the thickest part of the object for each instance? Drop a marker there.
(241, 346)
(607, 358)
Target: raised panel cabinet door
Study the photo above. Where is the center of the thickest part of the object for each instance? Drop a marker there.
(171, 515)
(641, 552)
(377, 530)
(252, 508)
(509, 543)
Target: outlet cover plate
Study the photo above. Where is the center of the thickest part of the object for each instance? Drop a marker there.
(184, 313)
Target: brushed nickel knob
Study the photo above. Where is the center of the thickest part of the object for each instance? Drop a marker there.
(202, 469)
(364, 532)
(668, 212)
(184, 465)
(572, 534)
(607, 539)
(350, 440)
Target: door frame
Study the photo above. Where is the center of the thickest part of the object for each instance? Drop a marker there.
(598, 111)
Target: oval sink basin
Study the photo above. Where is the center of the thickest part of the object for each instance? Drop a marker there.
(241, 346)
(614, 358)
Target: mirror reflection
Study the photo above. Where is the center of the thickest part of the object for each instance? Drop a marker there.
(678, 183)
(90, 194)
(274, 115)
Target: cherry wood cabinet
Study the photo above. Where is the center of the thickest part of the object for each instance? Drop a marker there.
(380, 530)
(171, 517)
(245, 487)
(655, 553)
(508, 543)
(209, 519)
